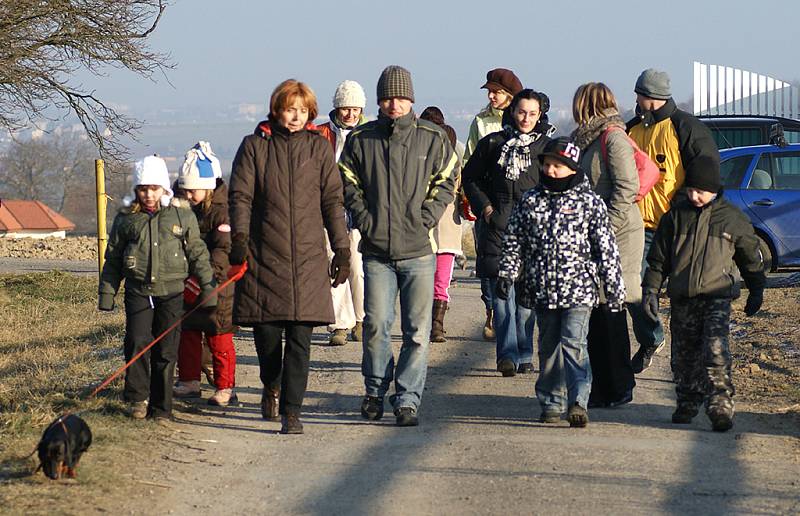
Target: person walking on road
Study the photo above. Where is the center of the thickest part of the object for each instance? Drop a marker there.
(349, 102)
(399, 175)
(285, 192)
(500, 171)
(608, 162)
(679, 144)
(501, 85)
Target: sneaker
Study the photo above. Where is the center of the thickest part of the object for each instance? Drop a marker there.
(190, 389)
(139, 409)
(550, 417)
(290, 424)
(507, 367)
(223, 398)
(406, 416)
(338, 338)
(643, 358)
(372, 408)
(721, 421)
(577, 416)
(525, 368)
(684, 414)
(357, 335)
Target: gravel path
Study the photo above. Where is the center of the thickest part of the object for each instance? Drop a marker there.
(478, 449)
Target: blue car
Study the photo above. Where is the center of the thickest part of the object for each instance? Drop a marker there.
(764, 181)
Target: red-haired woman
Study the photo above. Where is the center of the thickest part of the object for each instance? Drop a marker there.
(285, 191)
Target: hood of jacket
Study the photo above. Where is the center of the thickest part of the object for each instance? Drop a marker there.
(649, 118)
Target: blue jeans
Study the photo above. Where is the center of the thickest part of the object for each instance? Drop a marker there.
(648, 333)
(563, 358)
(513, 326)
(413, 278)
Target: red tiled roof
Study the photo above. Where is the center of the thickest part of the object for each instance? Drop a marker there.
(20, 215)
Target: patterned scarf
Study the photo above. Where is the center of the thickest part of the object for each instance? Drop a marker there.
(515, 156)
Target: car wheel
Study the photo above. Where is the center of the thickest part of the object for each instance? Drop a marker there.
(766, 253)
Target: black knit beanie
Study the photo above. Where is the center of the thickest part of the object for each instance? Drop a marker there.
(704, 175)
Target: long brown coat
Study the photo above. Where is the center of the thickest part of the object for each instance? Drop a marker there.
(215, 231)
(285, 191)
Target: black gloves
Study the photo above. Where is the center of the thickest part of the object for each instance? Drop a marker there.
(754, 300)
(503, 287)
(239, 249)
(650, 305)
(340, 266)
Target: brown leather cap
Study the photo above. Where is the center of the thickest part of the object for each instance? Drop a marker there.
(502, 78)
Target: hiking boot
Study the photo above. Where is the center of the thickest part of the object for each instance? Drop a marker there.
(506, 367)
(525, 368)
(549, 417)
(684, 414)
(139, 409)
(357, 335)
(338, 338)
(290, 424)
(721, 420)
(406, 416)
(437, 324)
(372, 408)
(488, 326)
(190, 389)
(643, 358)
(270, 401)
(223, 398)
(577, 416)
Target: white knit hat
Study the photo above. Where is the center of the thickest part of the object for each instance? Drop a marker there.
(150, 170)
(349, 94)
(200, 168)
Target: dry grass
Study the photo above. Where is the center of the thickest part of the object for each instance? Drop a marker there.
(55, 347)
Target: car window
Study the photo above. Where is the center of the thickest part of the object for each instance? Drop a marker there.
(734, 169)
(726, 138)
(762, 174)
(792, 136)
(786, 170)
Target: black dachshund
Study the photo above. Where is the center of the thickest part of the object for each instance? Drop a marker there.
(62, 445)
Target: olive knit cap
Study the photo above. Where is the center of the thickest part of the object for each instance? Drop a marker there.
(395, 81)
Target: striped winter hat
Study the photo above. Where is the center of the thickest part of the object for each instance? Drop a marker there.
(395, 81)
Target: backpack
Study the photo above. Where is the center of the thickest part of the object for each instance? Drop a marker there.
(648, 171)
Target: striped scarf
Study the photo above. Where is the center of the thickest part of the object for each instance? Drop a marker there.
(515, 156)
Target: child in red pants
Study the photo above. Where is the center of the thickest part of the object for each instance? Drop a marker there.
(200, 182)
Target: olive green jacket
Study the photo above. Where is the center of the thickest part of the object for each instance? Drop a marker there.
(155, 254)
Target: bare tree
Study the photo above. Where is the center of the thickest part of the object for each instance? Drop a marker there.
(44, 43)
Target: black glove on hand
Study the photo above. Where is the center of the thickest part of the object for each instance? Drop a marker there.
(239, 249)
(754, 301)
(340, 266)
(503, 287)
(650, 305)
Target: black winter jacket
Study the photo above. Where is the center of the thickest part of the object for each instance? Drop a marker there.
(485, 184)
(697, 247)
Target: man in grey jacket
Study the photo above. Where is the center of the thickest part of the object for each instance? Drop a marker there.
(399, 174)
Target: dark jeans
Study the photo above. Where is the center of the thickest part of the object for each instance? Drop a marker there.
(487, 295)
(610, 355)
(151, 376)
(284, 369)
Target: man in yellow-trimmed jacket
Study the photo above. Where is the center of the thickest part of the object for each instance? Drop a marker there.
(678, 143)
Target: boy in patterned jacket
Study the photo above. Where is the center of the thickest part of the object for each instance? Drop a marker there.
(559, 246)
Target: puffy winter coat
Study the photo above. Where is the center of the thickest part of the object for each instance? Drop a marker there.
(488, 121)
(335, 134)
(399, 177)
(558, 246)
(215, 230)
(154, 253)
(679, 144)
(616, 181)
(285, 190)
(697, 247)
(485, 183)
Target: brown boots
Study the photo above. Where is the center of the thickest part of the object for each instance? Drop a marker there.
(437, 326)
(488, 326)
(270, 401)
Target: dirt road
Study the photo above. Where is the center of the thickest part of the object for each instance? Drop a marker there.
(478, 449)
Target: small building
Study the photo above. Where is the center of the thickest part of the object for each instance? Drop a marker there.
(31, 219)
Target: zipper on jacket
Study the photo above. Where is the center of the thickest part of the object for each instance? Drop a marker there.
(291, 222)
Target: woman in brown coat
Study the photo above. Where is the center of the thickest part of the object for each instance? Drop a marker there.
(285, 191)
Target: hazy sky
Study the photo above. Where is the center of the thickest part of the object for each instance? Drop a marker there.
(230, 52)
